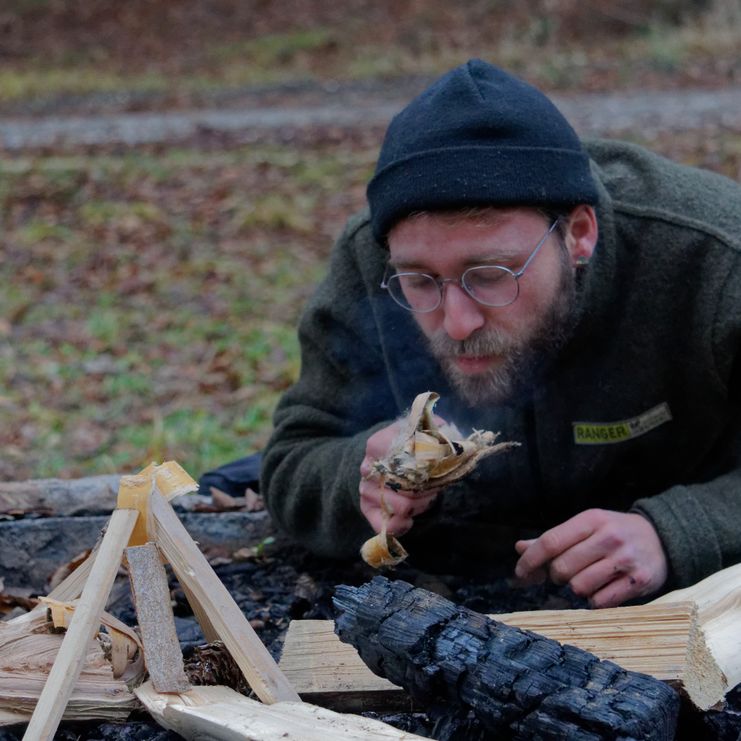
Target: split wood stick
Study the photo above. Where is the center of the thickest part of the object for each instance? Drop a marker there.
(70, 588)
(207, 628)
(85, 622)
(193, 570)
(149, 588)
(663, 641)
(221, 713)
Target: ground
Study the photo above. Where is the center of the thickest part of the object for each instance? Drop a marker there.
(151, 290)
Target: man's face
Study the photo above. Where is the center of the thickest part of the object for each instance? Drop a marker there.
(490, 354)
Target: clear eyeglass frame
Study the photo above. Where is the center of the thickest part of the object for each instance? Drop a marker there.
(500, 279)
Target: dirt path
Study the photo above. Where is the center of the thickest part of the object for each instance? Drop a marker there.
(592, 114)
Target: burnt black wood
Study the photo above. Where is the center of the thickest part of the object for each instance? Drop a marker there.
(518, 683)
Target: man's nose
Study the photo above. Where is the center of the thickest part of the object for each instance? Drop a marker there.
(462, 315)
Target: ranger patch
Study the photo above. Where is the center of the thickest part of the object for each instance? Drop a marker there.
(606, 433)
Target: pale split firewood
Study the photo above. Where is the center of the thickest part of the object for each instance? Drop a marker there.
(124, 645)
(207, 628)
(151, 595)
(71, 656)
(172, 480)
(203, 585)
(28, 650)
(718, 600)
(221, 713)
(70, 588)
(663, 640)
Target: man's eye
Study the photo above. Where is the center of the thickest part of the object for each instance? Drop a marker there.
(417, 282)
(486, 277)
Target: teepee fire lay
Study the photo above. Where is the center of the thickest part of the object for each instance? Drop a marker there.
(142, 532)
(688, 639)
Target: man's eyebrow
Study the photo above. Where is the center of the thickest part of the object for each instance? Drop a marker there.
(408, 265)
(496, 256)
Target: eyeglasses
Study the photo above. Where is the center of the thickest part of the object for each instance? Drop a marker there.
(490, 285)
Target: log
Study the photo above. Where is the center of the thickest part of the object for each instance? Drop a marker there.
(701, 658)
(59, 497)
(90, 495)
(31, 550)
(221, 713)
(664, 641)
(516, 682)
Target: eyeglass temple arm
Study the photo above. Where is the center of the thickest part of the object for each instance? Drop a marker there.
(537, 248)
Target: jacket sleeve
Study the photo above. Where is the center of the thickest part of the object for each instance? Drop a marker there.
(699, 523)
(310, 472)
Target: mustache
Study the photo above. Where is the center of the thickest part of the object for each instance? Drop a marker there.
(490, 341)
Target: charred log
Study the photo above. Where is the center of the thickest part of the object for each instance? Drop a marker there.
(517, 683)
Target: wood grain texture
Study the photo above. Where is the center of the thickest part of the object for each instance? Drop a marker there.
(663, 641)
(85, 622)
(221, 713)
(211, 596)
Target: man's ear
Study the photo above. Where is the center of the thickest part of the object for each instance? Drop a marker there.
(581, 234)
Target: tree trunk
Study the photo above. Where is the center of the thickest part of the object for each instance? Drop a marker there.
(519, 684)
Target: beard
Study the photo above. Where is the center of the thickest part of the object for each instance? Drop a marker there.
(523, 360)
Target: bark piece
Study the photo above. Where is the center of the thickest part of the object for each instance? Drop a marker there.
(151, 595)
(221, 713)
(426, 456)
(515, 681)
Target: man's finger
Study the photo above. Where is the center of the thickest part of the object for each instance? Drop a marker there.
(575, 560)
(553, 543)
(615, 593)
(594, 577)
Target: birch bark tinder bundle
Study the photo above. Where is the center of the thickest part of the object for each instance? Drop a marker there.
(425, 456)
(519, 684)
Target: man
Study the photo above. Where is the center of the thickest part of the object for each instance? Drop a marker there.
(583, 300)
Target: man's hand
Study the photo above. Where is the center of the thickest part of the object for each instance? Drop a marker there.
(607, 557)
(379, 503)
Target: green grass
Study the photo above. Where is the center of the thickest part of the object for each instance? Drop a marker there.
(151, 302)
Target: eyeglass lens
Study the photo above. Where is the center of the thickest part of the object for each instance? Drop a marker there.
(490, 285)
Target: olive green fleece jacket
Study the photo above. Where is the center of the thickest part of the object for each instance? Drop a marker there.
(641, 410)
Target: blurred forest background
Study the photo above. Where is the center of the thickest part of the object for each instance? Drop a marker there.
(149, 294)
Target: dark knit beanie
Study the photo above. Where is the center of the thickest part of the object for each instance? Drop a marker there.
(477, 137)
